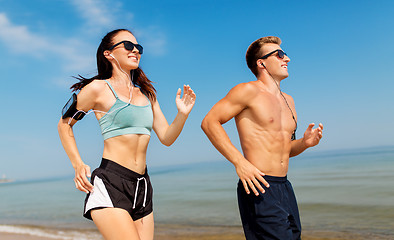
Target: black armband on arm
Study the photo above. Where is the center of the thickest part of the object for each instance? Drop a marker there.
(70, 109)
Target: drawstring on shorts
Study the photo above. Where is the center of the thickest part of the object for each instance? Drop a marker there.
(136, 191)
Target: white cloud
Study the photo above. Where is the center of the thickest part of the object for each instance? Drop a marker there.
(77, 55)
(19, 39)
(98, 17)
(96, 14)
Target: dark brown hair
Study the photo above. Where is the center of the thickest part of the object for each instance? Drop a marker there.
(255, 51)
(104, 69)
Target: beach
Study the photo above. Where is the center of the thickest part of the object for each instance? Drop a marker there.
(341, 195)
(209, 233)
(11, 236)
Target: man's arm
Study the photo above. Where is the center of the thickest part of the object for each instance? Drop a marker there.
(227, 108)
(311, 138)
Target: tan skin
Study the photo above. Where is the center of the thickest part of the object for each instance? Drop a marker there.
(264, 124)
(127, 150)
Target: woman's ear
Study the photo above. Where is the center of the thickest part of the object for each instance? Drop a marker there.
(107, 54)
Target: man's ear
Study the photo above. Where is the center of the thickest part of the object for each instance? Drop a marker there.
(260, 63)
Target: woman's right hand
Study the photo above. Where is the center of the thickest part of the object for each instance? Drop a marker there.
(82, 172)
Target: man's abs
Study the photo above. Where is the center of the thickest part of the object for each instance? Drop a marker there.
(268, 151)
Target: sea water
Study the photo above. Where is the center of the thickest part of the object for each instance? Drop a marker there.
(344, 191)
(347, 190)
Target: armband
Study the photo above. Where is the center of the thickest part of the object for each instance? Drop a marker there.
(70, 109)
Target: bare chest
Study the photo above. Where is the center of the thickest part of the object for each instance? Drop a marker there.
(268, 113)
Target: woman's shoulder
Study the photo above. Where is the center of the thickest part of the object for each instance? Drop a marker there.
(95, 86)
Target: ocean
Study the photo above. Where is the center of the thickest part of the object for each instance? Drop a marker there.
(337, 191)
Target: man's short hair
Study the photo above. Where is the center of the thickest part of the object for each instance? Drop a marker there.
(255, 51)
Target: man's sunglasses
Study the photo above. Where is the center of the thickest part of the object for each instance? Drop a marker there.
(281, 54)
(129, 46)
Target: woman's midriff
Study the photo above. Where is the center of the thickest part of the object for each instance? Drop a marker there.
(128, 150)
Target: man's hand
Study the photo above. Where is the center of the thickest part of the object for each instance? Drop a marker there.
(312, 136)
(250, 176)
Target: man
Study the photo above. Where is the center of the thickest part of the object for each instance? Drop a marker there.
(266, 123)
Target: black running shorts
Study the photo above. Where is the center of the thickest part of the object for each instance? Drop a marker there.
(118, 187)
(271, 215)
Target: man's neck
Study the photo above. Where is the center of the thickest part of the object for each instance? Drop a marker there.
(269, 82)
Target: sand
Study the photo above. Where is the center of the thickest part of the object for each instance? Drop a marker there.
(174, 232)
(9, 236)
(13, 236)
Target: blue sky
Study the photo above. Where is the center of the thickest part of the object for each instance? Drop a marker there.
(341, 70)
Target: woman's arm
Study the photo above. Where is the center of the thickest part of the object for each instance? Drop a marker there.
(86, 101)
(68, 141)
(167, 134)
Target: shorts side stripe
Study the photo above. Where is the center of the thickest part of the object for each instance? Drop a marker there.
(99, 197)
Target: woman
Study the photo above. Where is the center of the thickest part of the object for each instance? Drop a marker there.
(119, 196)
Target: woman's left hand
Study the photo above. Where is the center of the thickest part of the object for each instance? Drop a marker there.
(186, 103)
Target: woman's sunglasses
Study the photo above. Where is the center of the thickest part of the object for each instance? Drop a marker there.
(281, 54)
(129, 46)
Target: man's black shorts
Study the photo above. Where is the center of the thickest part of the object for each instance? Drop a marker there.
(271, 215)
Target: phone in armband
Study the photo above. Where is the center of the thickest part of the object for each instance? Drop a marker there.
(70, 109)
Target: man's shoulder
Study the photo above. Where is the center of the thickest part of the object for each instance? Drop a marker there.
(288, 97)
(242, 93)
(246, 88)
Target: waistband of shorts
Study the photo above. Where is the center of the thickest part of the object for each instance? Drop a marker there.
(275, 179)
(119, 170)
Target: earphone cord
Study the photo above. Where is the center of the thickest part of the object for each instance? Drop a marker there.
(130, 78)
(280, 91)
